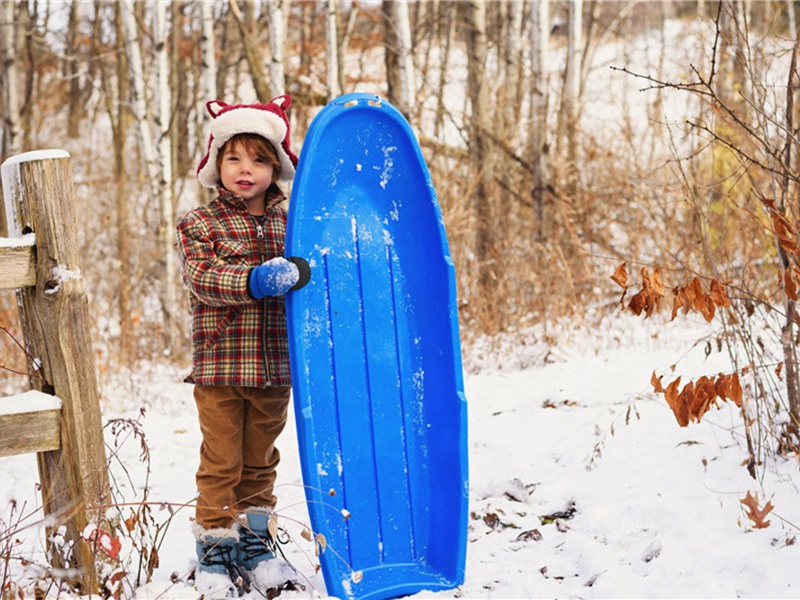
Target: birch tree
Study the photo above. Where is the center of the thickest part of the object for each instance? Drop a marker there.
(12, 134)
(159, 179)
(277, 43)
(208, 67)
(332, 46)
(572, 80)
(253, 51)
(405, 57)
(166, 226)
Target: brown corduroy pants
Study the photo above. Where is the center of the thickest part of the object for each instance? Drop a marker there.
(238, 457)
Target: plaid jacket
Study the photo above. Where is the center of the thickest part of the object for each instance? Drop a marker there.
(236, 341)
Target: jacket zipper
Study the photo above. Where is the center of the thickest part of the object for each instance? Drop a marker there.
(262, 253)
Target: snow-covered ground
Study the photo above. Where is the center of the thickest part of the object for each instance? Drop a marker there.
(648, 509)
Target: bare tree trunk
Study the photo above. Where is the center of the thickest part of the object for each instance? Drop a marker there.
(166, 226)
(405, 58)
(209, 65)
(451, 17)
(540, 41)
(478, 95)
(391, 57)
(71, 73)
(253, 52)
(159, 179)
(12, 134)
(788, 333)
(572, 81)
(277, 42)
(332, 44)
(224, 44)
(208, 73)
(791, 19)
(120, 119)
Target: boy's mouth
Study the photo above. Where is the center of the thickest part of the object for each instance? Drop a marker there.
(243, 183)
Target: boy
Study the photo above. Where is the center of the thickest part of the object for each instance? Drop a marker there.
(233, 266)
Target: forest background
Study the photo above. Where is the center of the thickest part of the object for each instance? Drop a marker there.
(553, 216)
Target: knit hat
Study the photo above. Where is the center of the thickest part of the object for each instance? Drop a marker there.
(267, 120)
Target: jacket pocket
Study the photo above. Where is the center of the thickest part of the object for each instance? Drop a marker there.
(211, 340)
(232, 252)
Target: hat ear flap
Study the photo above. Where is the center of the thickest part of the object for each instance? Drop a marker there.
(284, 101)
(216, 107)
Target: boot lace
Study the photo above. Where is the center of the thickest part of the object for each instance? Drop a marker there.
(255, 544)
(219, 554)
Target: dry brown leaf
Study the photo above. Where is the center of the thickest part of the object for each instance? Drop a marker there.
(754, 513)
(719, 294)
(656, 383)
(620, 276)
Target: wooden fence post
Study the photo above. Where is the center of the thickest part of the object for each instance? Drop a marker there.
(38, 192)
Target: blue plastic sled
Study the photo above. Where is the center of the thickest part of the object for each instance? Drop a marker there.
(376, 360)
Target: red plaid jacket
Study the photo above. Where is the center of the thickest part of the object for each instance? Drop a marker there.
(236, 341)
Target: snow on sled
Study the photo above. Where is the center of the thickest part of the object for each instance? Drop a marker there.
(376, 359)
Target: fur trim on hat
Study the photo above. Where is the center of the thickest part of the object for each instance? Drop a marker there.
(202, 534)
(267, 120)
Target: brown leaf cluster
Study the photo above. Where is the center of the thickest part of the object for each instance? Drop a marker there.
(786, 232)
(689, 297)
(692, 297)
(754, 513)
(647, 300)
(696, 398)
(791, 281)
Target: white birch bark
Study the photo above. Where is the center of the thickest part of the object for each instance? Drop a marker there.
(277, 43)
(405, 57)
(572, 79)
(146, 142)
(138, 96)
(332, 43)
(10, 79)
(792, 18)
(207, 42)
(167, 221)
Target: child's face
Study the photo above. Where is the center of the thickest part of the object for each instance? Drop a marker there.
(244, 173)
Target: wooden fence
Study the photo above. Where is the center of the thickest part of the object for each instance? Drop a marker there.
(40, 260)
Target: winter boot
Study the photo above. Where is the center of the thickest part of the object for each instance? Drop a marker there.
(255, 553)
(217, 575)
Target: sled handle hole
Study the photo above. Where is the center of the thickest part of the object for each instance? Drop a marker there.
(351, 103)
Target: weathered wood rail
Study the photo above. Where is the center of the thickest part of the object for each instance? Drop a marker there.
(40, 260)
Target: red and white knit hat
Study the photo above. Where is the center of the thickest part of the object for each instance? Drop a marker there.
(267, 120)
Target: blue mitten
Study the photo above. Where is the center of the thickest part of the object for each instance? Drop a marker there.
(273, 278)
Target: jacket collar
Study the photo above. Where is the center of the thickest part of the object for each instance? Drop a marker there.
(274, 197)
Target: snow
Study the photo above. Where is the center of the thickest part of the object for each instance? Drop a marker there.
(29, 402)
(26, 240)
(582, 484)
(9, 172)
(647, 509)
